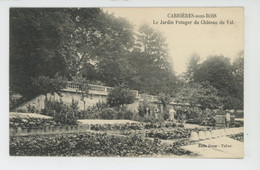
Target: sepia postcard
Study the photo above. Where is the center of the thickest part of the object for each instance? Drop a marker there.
(126, 82)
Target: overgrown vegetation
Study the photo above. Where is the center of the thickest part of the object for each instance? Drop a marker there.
(61, 112)
(70, 113)
(49, 46)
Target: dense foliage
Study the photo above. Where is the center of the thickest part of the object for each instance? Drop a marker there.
(37, 45)
(169, 133)
(106, 127)
(151, 62)
(49, 46)
(90, 144)
(199, 94)
(69, 113)
(31, 122)
(177, 133)
(61, 112)
(120, 96)
(225, 80)
(132, 126)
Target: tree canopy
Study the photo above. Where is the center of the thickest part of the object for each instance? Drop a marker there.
(220, 73)
(49, 47)
(59, 44)
(199, 94)
(151, 63)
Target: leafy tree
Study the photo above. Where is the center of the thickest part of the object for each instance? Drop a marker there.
(120, 96)
(151, 62)
(217, 71)
(103, 42)
(238, 72)
(66, 42)
(39, 39)
(45, 84)
(227, 78)
(192, 68)
(50, 46)
(203, 95)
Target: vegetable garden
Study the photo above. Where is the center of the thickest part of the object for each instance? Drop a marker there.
(64, 135)
(91, 144)
(126, 140)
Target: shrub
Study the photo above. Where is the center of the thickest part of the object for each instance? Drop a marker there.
(129, 115)
(166, 115)
(32, 109)
(67, 118)
(120, 96)
(123, 113)
(62, 113)
(90, 113)
(101, 105)
(108, 113)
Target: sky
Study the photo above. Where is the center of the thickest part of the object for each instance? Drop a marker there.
(184, 40)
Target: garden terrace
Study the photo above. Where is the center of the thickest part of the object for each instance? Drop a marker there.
(94, 89)
(91, 144)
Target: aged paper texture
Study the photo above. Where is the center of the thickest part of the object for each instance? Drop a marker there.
(127, 82)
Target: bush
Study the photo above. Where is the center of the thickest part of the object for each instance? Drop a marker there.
(108, 113)
(102, 111)
(68, 114)
(206, 117)
(120, 96)
(166, 115)
(101, 105)
(129, 115)
(62, 113)
(67, 118)
(90, 113)
(123, 113)
(93, 112)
